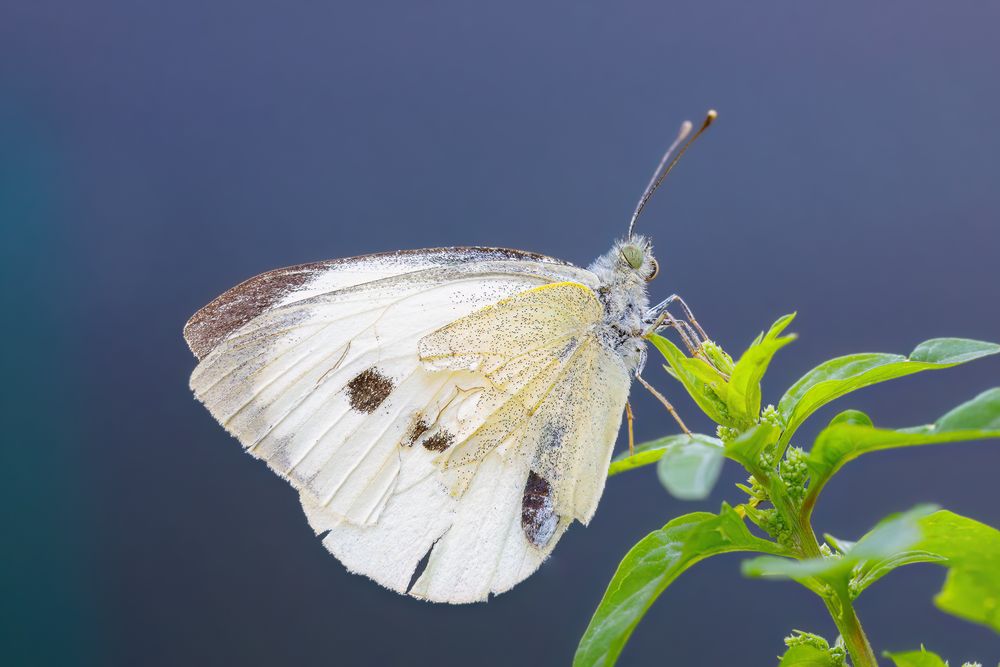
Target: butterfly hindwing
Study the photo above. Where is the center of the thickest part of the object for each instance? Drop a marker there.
(547, 371)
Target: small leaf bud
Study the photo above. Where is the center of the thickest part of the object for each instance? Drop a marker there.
(718, 357)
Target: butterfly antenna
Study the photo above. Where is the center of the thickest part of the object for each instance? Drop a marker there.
(665, 167)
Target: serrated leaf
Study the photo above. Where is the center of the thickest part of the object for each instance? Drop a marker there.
(650, 567)
(845, 440)
(921, 658)
(743, 396)
(971, 552)
(832, 379)
(891, 535)
(703, 383)
(652, 451)
(690, 468)
(805, 655)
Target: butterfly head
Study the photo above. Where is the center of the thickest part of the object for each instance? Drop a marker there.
(627, 267)
(636, 256)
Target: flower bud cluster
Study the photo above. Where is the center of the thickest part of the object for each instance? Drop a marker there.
(770, 416)
(766, 458)
(794, 473)
(837, 652)
(726, 434)
(773, 523)
(755, 490)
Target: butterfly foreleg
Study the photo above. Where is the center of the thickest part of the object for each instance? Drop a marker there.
(665, 320)
(688, 314)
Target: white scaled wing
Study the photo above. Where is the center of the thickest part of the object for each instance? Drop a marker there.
(455, 402)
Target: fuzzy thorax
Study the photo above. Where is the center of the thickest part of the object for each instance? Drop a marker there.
(623, 273)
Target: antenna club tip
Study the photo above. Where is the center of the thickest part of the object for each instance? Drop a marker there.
(710, 118)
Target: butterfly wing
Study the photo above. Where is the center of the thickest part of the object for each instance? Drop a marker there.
(267, 291)
(538, 461)
(343, 377)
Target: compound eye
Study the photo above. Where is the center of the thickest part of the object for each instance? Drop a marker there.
(632, 255)
(655, 271)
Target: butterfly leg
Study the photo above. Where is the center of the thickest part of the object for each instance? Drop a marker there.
(688, 314)
(667, 321)
(665, 402)
(631, 434)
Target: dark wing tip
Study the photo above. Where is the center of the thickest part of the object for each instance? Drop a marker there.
(231, 310)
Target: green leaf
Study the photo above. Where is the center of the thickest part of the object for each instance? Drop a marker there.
(846, 440)
(748, 447)
(981, 414)
(891, 535)
(971, 552)
(834, 378)
(705, 384)
(690, 468)
(652, 451)
(855, 417)
(689, 464)
(743, 396)
(806, 655)
(652, 565)
(968, 549)
(921, 658)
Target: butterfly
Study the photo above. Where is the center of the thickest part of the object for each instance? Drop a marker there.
(444, 414)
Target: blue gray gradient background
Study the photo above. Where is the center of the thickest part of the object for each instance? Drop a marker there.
(153, 154)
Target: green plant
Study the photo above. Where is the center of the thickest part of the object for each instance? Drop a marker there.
(784, 485)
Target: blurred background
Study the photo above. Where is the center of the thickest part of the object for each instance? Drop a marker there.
(153, 154)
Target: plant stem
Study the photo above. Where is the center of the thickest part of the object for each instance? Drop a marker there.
(838, 603)
(840, 608)
(838, 599)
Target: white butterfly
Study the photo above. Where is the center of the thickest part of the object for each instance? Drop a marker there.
(456, 407)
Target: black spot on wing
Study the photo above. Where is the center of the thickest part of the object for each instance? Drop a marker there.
(368, 390)
(538, 516)
(418, 429)
(439, 442)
